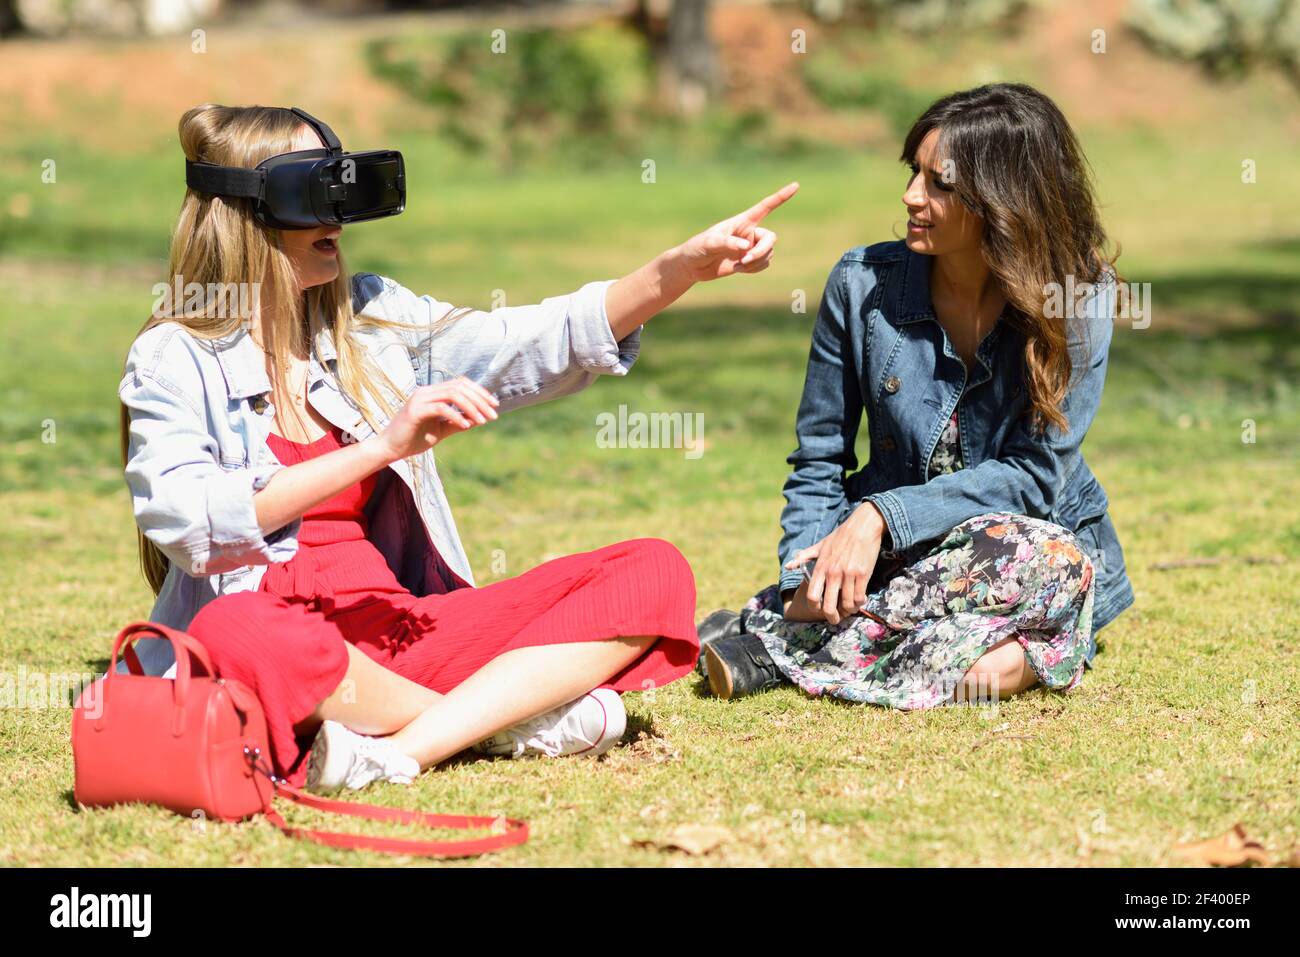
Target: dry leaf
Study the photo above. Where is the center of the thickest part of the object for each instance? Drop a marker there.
(1085, 843)
(655, 749)
(695, 839)
(1232, 849)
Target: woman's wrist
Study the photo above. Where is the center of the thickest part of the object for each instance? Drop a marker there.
(376, 452)
(673, 279)
(640, 295)
(870, 520)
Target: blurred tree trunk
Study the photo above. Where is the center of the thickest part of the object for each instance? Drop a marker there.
(691, 63)
(680, 39)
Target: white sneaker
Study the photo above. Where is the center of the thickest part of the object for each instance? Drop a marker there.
(341, 757)
(589, 726)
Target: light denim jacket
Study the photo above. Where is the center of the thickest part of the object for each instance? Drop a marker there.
(200, 418)
(878, 348)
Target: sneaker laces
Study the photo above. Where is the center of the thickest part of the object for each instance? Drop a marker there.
(373, 758)
(548, 740)
(545, 732)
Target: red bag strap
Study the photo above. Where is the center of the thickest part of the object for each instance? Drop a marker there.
(185, 646)
(516, 832)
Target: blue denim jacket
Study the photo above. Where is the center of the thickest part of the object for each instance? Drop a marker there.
(199, 421)
(877, 347)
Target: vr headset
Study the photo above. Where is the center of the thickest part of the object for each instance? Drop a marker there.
(310, 188)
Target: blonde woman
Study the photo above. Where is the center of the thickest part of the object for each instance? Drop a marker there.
(289, 510)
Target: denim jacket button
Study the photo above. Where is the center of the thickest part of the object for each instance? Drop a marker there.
(888, 443)
(259, 404)
(892, 384)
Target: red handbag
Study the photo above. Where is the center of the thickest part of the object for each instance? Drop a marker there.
(196, 744)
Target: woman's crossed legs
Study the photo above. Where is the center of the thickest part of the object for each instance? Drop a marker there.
(443, 672)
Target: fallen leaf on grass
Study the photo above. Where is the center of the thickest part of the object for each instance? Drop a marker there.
(695, 839)
(1084, 848)
(657, 750)
(1232, 849)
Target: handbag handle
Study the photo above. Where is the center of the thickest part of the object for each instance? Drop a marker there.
(516, 831)
(183, 646)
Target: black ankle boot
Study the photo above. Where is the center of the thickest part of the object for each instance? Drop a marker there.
(739, 665)
(723, 623)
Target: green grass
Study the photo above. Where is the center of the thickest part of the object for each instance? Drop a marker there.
(1185, 727)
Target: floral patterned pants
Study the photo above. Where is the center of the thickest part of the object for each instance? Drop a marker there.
(933, 611)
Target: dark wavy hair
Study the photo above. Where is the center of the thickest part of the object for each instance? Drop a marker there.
(1019, 166)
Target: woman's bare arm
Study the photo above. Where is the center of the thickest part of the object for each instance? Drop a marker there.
(430, 414)
(735, 245)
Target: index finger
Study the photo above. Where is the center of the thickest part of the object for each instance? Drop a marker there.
(764, 206)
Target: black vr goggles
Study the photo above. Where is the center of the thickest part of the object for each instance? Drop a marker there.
(310, 188)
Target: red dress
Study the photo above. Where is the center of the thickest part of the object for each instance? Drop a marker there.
(286, 640)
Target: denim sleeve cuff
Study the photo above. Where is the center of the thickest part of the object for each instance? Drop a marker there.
(236, 537)
(809, 535)
(891, 509)
(591, 337)
(789, 580)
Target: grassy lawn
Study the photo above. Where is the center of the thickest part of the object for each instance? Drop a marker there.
(1185, 727)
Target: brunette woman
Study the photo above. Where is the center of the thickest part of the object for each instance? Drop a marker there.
(973, 556)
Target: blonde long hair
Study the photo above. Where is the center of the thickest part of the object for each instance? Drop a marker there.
(218, 241)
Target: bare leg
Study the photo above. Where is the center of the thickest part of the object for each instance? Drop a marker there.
(370, 699)
(513, 687)
(510, 688)
(1003, 667)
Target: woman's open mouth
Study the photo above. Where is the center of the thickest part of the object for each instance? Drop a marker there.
(912, 224)
(327, 246)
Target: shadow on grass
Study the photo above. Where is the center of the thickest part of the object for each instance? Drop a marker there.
(699, 685)
(1269, 295)
(638, 724)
